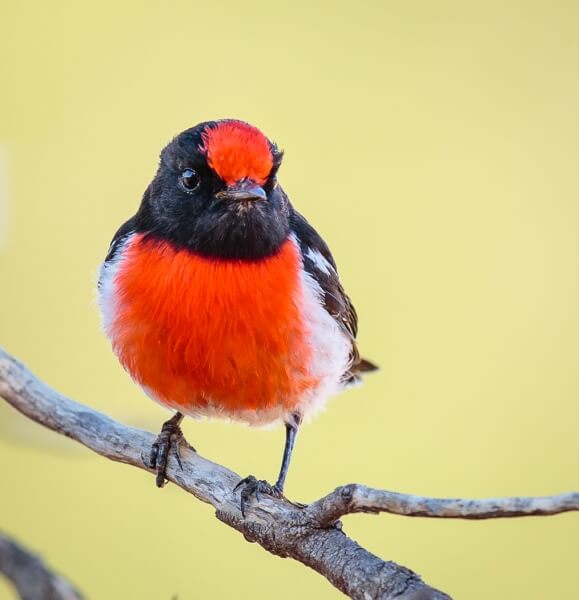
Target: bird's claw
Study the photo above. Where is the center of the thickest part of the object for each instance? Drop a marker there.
(169, 440)
(254, 487)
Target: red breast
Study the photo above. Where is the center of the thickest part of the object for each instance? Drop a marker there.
(200, 331)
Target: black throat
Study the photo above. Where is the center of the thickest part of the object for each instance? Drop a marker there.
(242, 230)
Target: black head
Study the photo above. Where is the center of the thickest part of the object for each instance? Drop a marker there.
(216, 193)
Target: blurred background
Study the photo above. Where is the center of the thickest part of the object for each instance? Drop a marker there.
(435, 147)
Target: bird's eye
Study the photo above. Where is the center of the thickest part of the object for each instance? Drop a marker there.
(190, 180)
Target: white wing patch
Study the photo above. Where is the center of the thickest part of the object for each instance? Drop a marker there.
(320, 262)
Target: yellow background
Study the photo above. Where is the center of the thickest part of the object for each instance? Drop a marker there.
(435, 146)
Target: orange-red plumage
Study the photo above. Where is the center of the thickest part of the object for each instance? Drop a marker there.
(236, 150)
(201, 331)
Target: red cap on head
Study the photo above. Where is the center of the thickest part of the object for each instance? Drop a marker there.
(236, 150)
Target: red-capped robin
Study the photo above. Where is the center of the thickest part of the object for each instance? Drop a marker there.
(221, 300)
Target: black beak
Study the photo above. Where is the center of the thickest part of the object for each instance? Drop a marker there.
(243, 190)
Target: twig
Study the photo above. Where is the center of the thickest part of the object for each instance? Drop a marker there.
(310, 535)
(355, 498)
(32, 579)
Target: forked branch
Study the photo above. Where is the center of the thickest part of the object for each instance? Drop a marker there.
(310, 535)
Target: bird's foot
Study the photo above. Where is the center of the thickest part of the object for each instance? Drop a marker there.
(169, 440)
(250, 486)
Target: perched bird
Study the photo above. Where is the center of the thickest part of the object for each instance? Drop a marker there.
(221, 300)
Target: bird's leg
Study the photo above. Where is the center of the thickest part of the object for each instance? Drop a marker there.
(291, 430)
(169, 439)
(254, 487)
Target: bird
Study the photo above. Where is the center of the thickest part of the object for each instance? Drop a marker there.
(221, 300)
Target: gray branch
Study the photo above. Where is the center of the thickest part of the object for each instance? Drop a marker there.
(311, 535)
(32, 579)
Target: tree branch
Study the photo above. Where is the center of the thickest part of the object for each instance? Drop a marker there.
(310, 535)
(31, 577)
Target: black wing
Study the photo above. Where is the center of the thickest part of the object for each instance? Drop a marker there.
(319, 263)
